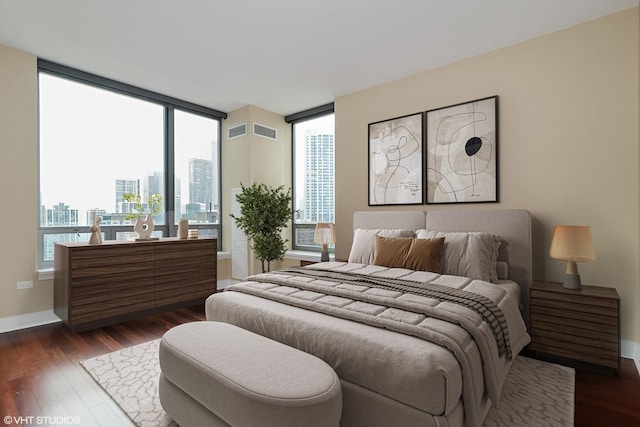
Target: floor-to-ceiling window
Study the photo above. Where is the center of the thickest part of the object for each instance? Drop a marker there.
(197, 171)
(313, 173)
(101, 140)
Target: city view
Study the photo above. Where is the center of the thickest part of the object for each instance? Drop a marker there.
(314, 191)
(201, 205)
(122, 141)
(96, 145)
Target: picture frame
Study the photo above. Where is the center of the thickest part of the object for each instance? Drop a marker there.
(462, 153)
(396, 161)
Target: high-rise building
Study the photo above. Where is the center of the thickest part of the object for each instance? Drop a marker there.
(178, 198)
(60, 215)
(319, 189)
(201, 184)
(153, 185)
(124, 186)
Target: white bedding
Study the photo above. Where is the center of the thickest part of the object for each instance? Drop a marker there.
(402, 368)
(512, 288)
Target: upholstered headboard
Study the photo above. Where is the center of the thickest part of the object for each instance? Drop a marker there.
(513, 225)
(409, 220)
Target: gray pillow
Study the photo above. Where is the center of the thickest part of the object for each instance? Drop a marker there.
(364, 242)
(468, 254)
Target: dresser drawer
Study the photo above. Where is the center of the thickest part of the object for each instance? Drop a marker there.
(96, 285)
(580, 325)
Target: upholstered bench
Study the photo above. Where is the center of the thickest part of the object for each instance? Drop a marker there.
(217, 374)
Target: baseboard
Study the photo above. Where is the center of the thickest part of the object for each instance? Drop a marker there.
(28, 320)
(631, 350)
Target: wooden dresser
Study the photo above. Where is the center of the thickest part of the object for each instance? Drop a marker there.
(578, 325)
(97, 285)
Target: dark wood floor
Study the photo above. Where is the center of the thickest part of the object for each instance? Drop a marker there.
(40, 374)
(41, 377)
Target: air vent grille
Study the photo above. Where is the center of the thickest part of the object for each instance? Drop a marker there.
(237, 131)
(265, 131)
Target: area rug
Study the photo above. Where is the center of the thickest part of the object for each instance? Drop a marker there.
(536, 393)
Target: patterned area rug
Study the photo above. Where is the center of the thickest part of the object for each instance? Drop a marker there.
(536, 393)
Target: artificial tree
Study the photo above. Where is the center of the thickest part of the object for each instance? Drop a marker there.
(264, 213)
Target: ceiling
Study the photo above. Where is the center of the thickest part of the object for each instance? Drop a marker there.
(282, 55)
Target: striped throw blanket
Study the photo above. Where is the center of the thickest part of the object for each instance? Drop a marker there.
(483, 306)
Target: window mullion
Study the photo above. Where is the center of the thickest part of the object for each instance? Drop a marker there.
(169, 180)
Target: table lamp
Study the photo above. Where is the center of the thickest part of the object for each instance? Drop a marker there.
(572, 243)
(325, 234)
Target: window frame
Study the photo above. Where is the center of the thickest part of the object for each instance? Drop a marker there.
(169, 105)
(292, 119)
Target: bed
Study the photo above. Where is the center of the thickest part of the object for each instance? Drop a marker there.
(411, 347)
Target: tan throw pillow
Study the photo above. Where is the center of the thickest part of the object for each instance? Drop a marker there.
(391, 252)
(425, 255)
(413, 254)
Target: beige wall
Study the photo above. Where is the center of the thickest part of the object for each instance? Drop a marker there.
(568, 142)
(18, 175)
(253, 159)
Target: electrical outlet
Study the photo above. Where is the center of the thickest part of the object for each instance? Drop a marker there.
(25, 285)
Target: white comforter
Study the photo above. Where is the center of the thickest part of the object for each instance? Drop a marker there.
(431, 366)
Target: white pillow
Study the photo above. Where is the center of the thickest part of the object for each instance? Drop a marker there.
(364, 242)
(468, 254)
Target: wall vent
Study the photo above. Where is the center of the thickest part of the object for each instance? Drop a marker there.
(265, 131)
(237, 131)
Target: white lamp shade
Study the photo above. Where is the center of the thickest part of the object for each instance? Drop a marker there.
(325, 233)
(572, 243)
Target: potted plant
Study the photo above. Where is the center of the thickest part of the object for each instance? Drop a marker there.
(264, 212)
(144, 227)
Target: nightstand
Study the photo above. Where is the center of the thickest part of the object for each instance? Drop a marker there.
(576, 325)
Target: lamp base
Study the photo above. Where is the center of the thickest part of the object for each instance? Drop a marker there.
(324, 257)
(572, 281)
